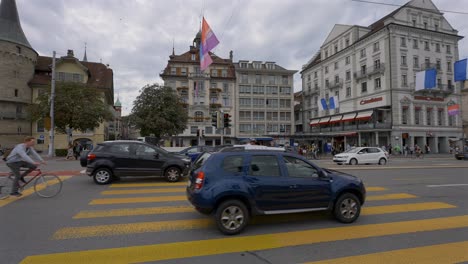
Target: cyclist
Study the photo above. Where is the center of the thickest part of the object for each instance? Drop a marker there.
(19, 158)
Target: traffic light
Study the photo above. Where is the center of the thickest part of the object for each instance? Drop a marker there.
(215, 119)
(227, 120)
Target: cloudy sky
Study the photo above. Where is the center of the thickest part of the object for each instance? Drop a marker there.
(135, 37)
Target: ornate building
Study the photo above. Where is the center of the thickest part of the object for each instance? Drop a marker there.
(17, 60)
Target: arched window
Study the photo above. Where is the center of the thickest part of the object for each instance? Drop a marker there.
(199, 116)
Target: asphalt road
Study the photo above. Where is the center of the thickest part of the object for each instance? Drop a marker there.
(417, 211)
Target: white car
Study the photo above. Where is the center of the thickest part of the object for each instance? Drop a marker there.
(362, 155)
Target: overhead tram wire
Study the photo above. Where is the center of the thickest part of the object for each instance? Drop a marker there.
(388, 4)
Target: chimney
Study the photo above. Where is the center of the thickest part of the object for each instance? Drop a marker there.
(230, 55)
(70, 53)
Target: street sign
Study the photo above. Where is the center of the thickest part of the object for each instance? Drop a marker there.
(41, 136)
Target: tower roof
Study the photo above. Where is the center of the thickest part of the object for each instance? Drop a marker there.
(118, 103)
(10, 26)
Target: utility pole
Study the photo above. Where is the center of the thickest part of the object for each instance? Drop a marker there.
(52, 115)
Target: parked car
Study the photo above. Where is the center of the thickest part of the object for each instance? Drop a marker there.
(195, 151)
(462, 154)
(113, 159)
(362, 155)
(234, 186)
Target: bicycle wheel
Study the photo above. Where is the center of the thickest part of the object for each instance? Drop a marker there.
(5, 187)
(47, 185)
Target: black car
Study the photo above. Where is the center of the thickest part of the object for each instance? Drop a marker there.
(114, 159)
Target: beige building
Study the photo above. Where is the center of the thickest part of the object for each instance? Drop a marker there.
(264, 102)
(70, 69)
(371, 69)
(201, 93)
(17, 60)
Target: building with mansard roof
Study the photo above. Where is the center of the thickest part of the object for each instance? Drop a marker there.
(372, 71)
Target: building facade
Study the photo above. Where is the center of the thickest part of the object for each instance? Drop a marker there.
(70, 69)
(372, 71)
(17, 60)
(201, 94)
(264, 102)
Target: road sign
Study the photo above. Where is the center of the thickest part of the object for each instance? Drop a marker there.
(41, 136)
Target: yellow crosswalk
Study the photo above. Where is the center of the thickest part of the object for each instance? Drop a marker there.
(134, 193)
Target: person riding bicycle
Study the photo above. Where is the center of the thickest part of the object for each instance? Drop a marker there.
(19, 158)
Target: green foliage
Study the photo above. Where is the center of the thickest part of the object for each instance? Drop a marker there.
(76, 106)
(61, 152)
(157, 111)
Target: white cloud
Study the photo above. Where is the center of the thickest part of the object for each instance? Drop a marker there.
(135, 37)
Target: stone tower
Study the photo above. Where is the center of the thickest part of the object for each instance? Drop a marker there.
(17, 62)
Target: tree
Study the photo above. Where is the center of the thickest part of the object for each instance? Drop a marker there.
(76, 107)
(157, 111)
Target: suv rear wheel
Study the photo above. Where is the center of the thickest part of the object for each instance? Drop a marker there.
(347, 208)
(231, 217)
(102, 176)
(172, 174)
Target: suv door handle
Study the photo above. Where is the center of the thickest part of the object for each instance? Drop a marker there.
(293, 186)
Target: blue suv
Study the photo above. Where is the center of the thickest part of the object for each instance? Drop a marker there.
(235, 185)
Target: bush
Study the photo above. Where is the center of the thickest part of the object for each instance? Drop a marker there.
(61, 152)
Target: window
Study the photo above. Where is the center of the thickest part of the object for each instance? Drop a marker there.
(363, 69)
(426, 45)
(403, 42)
(258, 79)
(264, 166)
(425, 25)
(363, 53)
(259, 116)
(326, 69)
(449, 66)
(245, 102)
(233, 164)
(16, 92)
(346, 42)
(284, 79)
(272, 103)
(272, 116)
(348, 91)
(299, 168)
(404, 80)
(429, 116)
(245, 115)
(336, 65)
(427, 62)
(272, 90)
(326, 54)
(224, 73)
(377, 83)
(417, 116)
(142, 150)
(272, 128)
(271, 79)
(308, 77)
(245, 89)
(436, 26)
(437, 47)
(449, 51)
(285, 90)
(403, 60)
(377, 64)
(214, 73)
(414, 22)
(173, 70)
(285, 116)
(193, 57)
(258, 90)
(415, 62)
(193, 130)
(336, 48)
(258, 102)
(438, 64)
(404, 115)
(364, 87)
(376, 46)
(315, 74)
(40, 125)
(451, 120)
(337, 79)
(225, 88)
(199, 116)
(122, 148)
(415, 43)
(327, 83)
(285, 103)
(348, 75)
(449, 84)
(440, 113)
(348, 60)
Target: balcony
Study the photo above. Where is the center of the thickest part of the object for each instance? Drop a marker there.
(199, 75)
(380, 69)
(183, 101)
(182, 88)
(311, 92)
(336, 85)
(215, 103)
(12, 116)
(216, 89)
(441, 90)
(426, 66)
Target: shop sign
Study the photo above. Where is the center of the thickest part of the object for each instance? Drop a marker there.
(428, 98)
(371, 100)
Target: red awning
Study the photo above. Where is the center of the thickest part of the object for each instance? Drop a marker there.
(314, 122)
(335, 119)
(348, 117)
(366, 115)
(324, 121)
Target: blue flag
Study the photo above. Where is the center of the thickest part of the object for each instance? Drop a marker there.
(460, 70)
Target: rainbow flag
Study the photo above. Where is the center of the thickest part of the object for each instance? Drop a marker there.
(208, 42)
(453, 109)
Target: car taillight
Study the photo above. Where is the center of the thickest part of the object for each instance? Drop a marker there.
(199, 180)
(91, 157)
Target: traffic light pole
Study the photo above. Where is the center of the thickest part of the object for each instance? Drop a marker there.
(52, 117)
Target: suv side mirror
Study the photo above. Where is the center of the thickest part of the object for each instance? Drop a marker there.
(156, 155)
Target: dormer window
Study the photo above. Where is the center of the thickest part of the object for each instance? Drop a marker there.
(18, 49)
(193, 57)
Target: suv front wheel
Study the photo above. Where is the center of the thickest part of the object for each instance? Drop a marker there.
(231, 217)
(172, 174)
(347, 208)
(102, 176)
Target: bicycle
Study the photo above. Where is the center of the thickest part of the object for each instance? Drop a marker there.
(46, 185)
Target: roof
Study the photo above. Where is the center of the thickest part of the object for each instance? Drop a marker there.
(10, 26)
(100, 76)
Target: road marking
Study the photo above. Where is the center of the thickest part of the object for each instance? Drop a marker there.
(447, 185)
(151, 199)
(188, 249)
(398, 167)
(29, 191)
(141, 191)
(391, 196)
(444, 253)
(375, 189)
(415, 179)
(161, 226)
(131, 185)
(368, 210)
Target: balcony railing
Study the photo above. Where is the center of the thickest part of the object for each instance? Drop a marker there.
(336, 84)
(311, 92)
(199, 75)
(368, 72)
(181, 88)
(440, 90)
(426, 66)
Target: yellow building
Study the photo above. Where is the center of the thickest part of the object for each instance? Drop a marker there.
(70, 69)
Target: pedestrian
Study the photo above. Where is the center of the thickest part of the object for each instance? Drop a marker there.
(77, 150)
(19, 158)
(70, 152)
